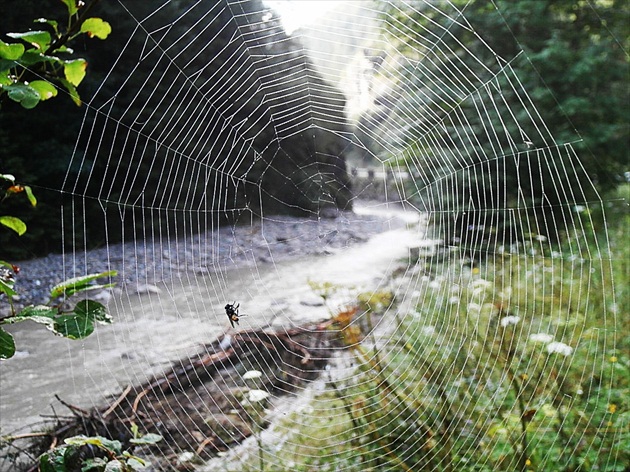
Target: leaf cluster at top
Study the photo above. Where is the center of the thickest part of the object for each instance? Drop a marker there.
(40, 63)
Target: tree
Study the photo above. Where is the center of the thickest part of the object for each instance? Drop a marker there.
(194, 131)
(471, 80)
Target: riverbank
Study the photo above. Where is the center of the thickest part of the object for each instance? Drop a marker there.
(153, 329)
(141, 264)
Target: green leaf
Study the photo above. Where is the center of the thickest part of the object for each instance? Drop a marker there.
(64, 48)
(95, 311)
(136, 463)
(11, 52)
(4, 78)
(97, 464)
(80, 323)
(73, 326)
(13, 223)
(111, 445)
(7, 345)
(52, 23)
(29, 193)
(78, 284)
(96, 27)
(46, 464)
(6, 287)
(42, 314)
(72, 6)
(23, 94)
(114, 466)
(45, 89)
(98, 441)
(39, 39)
(147, 439)
(82, 440)
(74, 70)
(72, 90)
(32, 56)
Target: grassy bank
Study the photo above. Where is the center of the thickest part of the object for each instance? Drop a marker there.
(519, 362)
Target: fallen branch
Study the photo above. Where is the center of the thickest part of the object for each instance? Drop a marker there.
(199, 389)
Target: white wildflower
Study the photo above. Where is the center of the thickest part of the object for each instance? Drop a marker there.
(474, 307)
(453, 300)
(255, 396)
(252, 374)
(428, 330)
(541, 338)
(509, 320)
(481, 283)
(559, 348)
(579, 208)
(186, 456)
(540, 237)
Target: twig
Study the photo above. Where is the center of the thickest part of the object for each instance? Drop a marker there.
(25, 436)
(118, 401)
(203, 444)
(136, 402)
(75, 409)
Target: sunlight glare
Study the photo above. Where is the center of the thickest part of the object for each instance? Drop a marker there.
(297, 13)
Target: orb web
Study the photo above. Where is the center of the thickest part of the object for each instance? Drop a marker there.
(212, 169)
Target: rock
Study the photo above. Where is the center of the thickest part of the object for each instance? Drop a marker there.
(312, 301)
(104, 296)
(147, 288)
(329, 212)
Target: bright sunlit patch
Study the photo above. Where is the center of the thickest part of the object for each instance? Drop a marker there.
(297, 13)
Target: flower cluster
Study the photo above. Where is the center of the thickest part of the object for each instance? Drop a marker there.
(553, 347)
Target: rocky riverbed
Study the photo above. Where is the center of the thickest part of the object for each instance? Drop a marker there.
(142, 263)
(266, 266)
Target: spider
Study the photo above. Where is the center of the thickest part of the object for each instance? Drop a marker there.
(231, 310)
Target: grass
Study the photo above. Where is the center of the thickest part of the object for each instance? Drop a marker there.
(520, 363)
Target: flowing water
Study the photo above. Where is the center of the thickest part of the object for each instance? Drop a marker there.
(151, 330)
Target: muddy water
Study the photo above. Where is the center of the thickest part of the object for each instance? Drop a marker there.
(152, 329)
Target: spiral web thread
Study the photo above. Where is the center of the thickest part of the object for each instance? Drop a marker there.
(448, 137)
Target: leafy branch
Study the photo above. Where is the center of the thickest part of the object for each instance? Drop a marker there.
(39, 54)
(76, 323)
(112, 457)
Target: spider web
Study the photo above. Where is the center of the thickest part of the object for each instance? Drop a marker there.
(187, 154)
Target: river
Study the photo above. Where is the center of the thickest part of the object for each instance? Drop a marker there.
(151, 330)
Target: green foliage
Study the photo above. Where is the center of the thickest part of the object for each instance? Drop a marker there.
(518, 363)
(533, 74)
(73, 455)
(46, 56)
(69, 287)
(12, 222)
(75, 323)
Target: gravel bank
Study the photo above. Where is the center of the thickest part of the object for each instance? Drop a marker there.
(143, 263)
